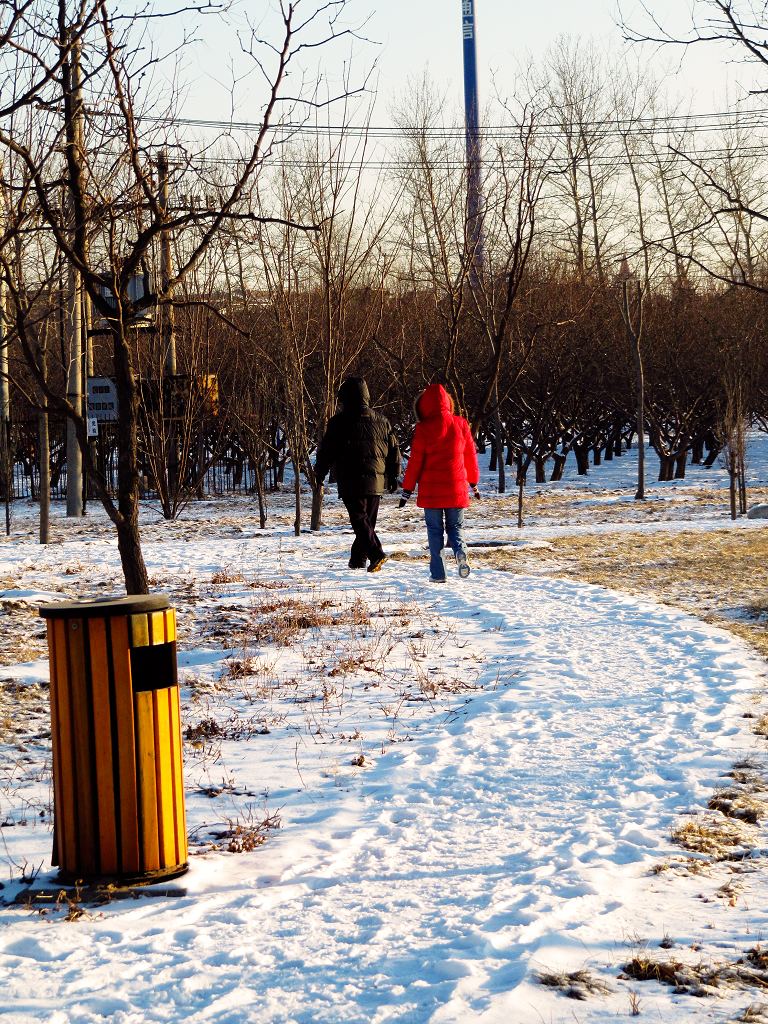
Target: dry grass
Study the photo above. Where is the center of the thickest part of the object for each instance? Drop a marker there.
(234, 727)
(699, 979)
(24, 710)
(574, 506)
(736, 803)
(720, 838)
(574, 984)
(226, 576)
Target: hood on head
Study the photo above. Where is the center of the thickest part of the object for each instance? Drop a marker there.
(434, 401)
(354, 394)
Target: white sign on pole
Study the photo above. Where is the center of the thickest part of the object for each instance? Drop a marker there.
(93, 427)
(102, 398)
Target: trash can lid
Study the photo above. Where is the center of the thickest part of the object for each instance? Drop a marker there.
(106, 607)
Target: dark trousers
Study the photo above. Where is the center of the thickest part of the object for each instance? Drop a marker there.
(362, 517)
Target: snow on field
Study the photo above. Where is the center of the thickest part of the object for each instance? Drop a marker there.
(475, 784)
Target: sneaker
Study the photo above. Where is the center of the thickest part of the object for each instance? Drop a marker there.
(463, 564)
(376, 562)
(356, 565)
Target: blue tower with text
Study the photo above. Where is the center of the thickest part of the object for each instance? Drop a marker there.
(474, 231)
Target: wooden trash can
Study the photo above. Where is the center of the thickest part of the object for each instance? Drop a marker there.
(116, 737)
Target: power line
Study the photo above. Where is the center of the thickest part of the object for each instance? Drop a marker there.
(711, 121)
(607, 160)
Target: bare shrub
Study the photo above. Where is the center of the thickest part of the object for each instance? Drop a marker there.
(226, 576)
(720, 838)
(739, 805)
(242, 834)
(574, 984)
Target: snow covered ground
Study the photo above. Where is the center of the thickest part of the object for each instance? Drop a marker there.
(476, 784)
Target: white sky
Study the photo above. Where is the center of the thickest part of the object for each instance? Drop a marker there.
(420, 34)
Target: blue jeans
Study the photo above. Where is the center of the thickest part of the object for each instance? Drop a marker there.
(452, 521)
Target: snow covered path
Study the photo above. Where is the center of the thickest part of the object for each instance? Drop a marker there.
(516, 836)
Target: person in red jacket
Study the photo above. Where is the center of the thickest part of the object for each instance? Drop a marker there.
(443, 465)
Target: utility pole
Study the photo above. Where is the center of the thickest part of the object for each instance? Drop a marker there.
(88, 371)
(474, 242)
(167, 319)
(74, 130)
(44, 444)
(5, 413)
(167, 329)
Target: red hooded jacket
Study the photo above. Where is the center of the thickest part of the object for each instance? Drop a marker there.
(443, 460)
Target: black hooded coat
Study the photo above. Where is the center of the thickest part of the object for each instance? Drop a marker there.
(359, 445)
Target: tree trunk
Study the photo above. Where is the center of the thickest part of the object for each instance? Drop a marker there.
(712, 457)
(732, 472)
(697, 451)
(541, 470)
(597, 454)
(494, 457)
(520, 493)
(666, 467)
(498, 448)
(680, 463)
(559, 467)
(7, 459)
(44, 445)
(714, 447)
(582, 459)
(200, 467)
(297, 499)
(316, 519)
(742, 481)
(126, 519)
(260, 494)
(129, 546)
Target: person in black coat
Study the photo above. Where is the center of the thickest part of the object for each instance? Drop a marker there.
(363, 451)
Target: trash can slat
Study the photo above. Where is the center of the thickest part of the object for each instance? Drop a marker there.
(146, 771)
(82, 743)
(178, 787)
(128, 801)
(166, 823)
(62, 777)
(139, 631)
(102, 722)
(157, 627)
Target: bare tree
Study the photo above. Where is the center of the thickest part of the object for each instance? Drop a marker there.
(738, 26)
(114, 219)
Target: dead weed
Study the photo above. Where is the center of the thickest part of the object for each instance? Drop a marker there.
(574, 984)
(698, 979)
(722, 839)
(738, 804)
